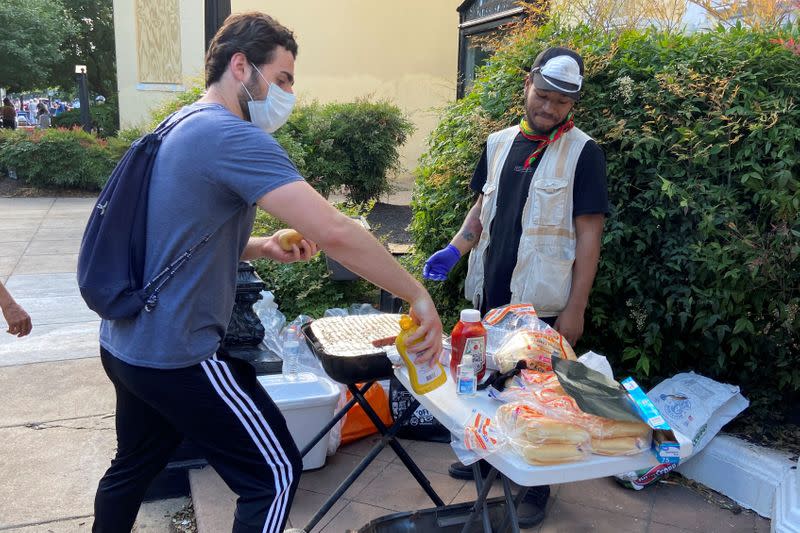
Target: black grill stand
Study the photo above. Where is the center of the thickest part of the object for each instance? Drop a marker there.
(387, 438)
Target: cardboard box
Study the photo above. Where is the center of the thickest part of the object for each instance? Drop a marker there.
(671, 446)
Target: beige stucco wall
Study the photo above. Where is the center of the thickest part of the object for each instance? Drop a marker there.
(404, 51)
(137, 100)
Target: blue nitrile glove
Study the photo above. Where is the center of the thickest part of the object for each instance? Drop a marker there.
(441, 263)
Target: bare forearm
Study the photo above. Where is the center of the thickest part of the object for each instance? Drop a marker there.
(583, 273)
(587, 256)
(253, 248)
(342, 238)
(5, 298)
(470, 232)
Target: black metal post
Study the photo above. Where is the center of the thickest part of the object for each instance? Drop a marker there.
(245, 335)
(83, 96)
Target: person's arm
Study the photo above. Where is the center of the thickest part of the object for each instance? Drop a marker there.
(19, 323)
(467, 237)
(439, 265)
(346, 241)
(589, 230)
(268, 248)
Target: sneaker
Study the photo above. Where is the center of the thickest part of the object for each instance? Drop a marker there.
(532, 509)
(459, 470)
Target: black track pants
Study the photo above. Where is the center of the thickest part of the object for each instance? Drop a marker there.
(221, 408)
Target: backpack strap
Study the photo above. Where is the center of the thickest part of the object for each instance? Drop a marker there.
(152, 289)
(173, 120)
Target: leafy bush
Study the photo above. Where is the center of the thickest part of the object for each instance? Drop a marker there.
(350, 146)
(306, 288)
(104, 117)
(59, 158)
(700, 267)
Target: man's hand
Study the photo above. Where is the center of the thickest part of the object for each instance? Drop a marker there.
(439, 265)
(429, 331)
(19, 322)
(570, 324)
(271, 249)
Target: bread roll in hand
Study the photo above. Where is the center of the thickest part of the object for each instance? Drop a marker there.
(287, 238)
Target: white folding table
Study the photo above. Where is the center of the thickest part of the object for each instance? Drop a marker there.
(453, 411)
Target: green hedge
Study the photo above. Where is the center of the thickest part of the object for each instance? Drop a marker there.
(700, 267)
(59, 158)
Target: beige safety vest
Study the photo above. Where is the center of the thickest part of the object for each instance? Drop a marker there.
(543, 272)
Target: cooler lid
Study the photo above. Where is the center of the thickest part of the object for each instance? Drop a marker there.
(309, 390)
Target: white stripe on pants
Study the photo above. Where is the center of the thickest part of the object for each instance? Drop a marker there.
(253, 421)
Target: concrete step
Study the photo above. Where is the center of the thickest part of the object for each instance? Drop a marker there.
(750, 475)
(214, 502)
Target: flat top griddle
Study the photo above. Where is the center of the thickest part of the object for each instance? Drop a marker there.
(344, 345)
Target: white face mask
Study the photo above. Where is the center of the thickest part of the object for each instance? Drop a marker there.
(273, 112)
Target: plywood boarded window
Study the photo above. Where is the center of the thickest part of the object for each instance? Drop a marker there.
(158, 41)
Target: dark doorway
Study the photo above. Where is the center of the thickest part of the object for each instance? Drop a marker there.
(479, 21)
(216, 13)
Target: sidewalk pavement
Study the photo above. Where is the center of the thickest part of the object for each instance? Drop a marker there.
(57, 427)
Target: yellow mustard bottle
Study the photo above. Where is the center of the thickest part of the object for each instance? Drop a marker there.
(423, 377)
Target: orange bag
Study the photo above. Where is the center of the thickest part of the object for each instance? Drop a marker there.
(357, 424)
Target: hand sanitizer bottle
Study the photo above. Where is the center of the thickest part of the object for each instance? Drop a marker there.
(466, 382)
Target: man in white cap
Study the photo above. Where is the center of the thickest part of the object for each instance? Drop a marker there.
(534, 231)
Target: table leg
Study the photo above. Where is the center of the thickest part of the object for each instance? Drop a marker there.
(388, 437)
(343, 411)
(511, 508)
(344, 485)
(480, 504)
(398, 449)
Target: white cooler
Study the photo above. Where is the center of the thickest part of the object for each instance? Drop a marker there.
(307, 404)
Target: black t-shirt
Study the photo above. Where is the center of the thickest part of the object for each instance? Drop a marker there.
(590, 196)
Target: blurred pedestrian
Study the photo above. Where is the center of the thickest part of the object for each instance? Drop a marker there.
(42, 116)
(8, 114)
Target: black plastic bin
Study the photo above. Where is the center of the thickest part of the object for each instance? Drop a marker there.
(447, 519)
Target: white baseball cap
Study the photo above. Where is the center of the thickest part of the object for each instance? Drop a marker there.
(558, 69)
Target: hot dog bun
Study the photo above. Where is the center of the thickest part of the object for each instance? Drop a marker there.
(551, 454)
(620, 445)
(288, 237)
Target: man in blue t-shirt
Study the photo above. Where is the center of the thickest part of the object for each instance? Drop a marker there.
(212, 170)
(534, 231)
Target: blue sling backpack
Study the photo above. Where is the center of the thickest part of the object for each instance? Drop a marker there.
(112, 253)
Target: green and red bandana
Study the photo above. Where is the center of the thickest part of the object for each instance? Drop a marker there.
(544, 140)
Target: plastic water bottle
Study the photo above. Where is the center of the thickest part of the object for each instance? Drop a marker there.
(291, 354)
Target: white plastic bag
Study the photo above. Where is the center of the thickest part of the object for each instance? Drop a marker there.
(273, 321)
(696, 407)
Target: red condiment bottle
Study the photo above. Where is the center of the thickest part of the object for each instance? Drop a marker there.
(469, 335)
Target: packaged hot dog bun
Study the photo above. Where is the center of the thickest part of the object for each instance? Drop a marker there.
(288, 237)
(553, 431)
(552, 454)
(521, 422)
(611, 429)
(620, 445)
(534, 347)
